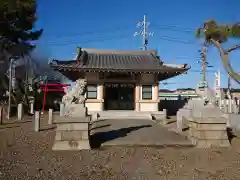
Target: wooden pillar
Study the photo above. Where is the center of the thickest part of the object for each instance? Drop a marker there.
(101, 95)
(137, 97)
(155, 97)
(156, 93)
(137, 92)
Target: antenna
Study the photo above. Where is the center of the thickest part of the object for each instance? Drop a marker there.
(144, 32)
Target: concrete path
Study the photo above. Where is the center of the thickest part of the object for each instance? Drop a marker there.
(134, 132)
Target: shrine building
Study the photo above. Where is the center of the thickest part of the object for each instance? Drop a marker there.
(119, 80)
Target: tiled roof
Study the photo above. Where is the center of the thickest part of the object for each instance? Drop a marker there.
(106, 60)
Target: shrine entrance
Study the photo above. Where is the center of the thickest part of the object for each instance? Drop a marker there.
(119, 96)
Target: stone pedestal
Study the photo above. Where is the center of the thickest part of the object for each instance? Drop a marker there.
(208, 133)
(207, 128)
(72, 133)
(77, 110)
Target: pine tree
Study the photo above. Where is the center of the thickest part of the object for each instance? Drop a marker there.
(216, 34)
(17, 33)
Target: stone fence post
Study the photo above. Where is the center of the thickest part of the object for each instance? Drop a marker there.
(62, 107)
(37, 121)
(50, 116)
(31, 108)
(20, 111)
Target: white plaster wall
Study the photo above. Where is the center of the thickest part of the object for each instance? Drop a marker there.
(148, 106)
(93, 106)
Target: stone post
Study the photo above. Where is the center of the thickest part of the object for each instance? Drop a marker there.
(1, 115)
(62, 109)
(50, 116)
(179, 121)
(165, 121)
(31, 108)
(19, 111)
(37, 121)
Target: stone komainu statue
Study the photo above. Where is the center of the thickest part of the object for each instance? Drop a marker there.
(76, 94)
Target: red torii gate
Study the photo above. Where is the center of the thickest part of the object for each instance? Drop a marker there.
(46, 89)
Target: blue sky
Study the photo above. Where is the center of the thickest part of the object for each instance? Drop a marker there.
(109, 24)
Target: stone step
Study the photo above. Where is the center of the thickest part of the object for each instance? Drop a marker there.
(124, 115)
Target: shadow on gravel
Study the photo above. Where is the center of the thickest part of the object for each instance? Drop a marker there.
(97, 139)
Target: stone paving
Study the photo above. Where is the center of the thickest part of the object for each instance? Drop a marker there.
(134, 132)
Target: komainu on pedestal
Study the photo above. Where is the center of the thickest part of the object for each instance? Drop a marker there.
(72, 131)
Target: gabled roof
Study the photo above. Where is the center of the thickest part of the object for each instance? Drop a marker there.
(116, 61)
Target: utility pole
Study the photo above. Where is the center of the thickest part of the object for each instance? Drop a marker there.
(204, 64)
(144, 32)
(217, 85)
(229, 87)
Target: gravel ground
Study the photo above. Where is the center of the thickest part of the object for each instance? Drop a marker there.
(27, 155)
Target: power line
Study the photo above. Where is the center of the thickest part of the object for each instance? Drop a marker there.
(174, 28)
(165, 38)
(121, 28)
(87, 41)
(172, 39)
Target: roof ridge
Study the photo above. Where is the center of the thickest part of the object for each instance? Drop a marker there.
(127, 52)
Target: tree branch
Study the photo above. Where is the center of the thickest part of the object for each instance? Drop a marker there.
(225, 60)
(233, 48)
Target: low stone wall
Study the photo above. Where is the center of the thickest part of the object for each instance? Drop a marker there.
(208, 132)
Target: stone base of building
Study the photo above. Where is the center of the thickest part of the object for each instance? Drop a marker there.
(208, 132)
(72, 133)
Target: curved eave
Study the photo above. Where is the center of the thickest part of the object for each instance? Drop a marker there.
(163, 72)
(170, 75)
(92, 69)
